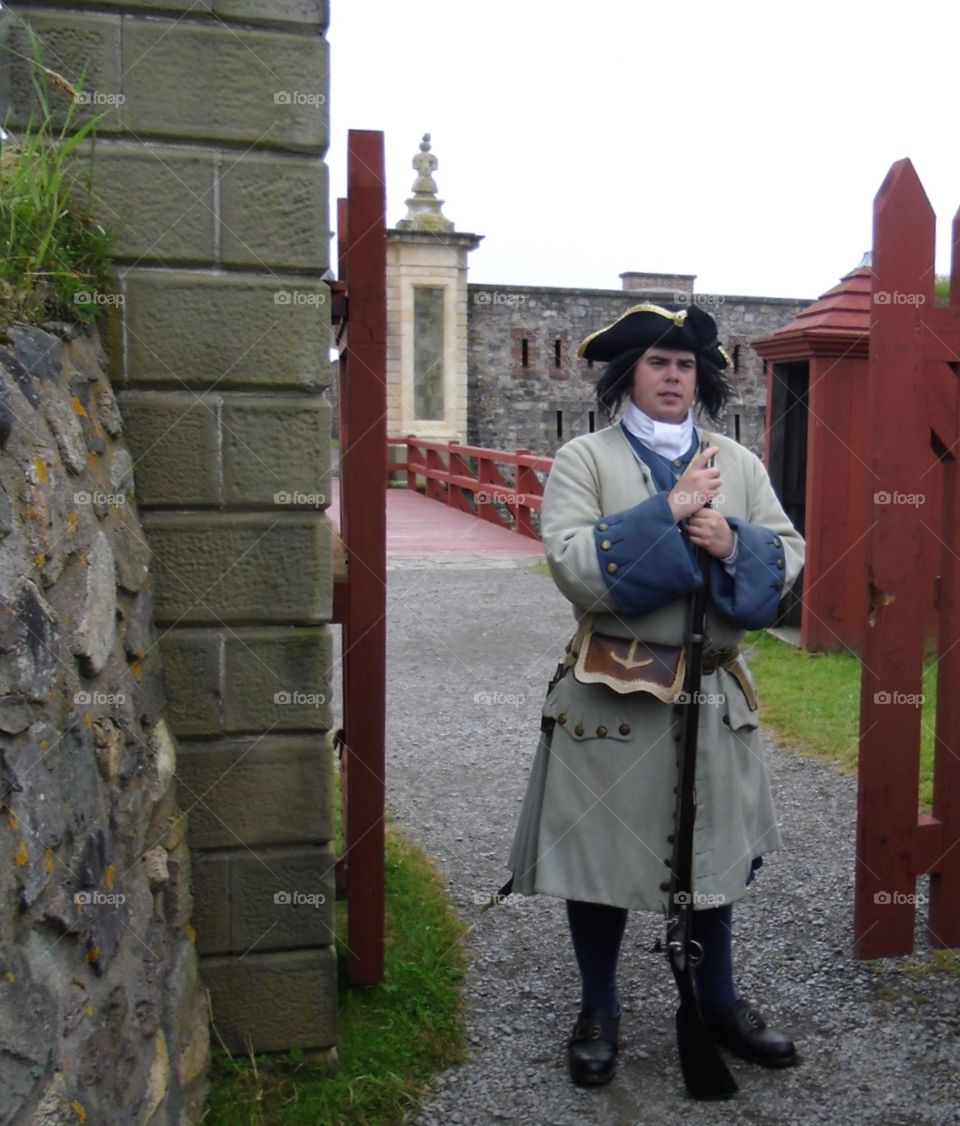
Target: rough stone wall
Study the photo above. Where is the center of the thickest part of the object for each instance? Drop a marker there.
(514, 405)
(102, 1018)
(211, 154)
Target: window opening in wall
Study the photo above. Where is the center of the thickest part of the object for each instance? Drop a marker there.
(590, 421)
(736, 359)
(556, 353)
(524, 352)
(428, 352)
(559, 425)
(736, 427)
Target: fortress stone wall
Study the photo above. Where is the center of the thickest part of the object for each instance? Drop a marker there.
(527, 388)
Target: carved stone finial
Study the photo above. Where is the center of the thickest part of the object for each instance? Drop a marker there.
(423, 208)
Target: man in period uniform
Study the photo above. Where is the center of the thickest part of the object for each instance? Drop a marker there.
(623, 511)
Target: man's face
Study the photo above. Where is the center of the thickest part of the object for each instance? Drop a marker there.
(664, 384)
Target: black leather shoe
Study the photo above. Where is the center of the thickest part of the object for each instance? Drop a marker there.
(592, 1048)
(744, 1031)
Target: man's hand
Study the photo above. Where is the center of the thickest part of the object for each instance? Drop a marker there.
(696, 486)
(709, 530)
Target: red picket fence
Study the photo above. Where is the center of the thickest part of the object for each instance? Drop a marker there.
(496, 485)
(360, 316)
(913, 428)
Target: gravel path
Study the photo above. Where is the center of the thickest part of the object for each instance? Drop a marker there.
(469, 653)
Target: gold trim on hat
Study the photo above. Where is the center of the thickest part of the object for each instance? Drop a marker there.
(677, 317)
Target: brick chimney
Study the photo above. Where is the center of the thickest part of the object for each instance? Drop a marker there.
(634, 282)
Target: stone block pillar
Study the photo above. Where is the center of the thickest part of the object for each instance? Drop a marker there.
(427, 314)
(211, 158)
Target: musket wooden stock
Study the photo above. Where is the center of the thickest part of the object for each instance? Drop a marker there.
(705, 1074)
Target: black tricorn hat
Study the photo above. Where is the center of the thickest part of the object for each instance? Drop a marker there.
(649, 326)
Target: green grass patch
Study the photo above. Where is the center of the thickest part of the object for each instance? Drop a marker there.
(392, 1038)
(811, 703)
(54, 255)
(937, 962)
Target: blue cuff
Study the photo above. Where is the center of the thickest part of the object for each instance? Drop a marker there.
(751, 597)
(644, 558)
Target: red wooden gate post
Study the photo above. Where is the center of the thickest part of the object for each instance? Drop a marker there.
(894, 846)
(363, 478)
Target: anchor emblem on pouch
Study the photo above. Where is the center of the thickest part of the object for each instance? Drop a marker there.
(628, 662)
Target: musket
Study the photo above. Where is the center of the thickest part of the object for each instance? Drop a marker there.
(705, 1074)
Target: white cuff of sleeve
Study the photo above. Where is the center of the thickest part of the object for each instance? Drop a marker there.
(731, 560)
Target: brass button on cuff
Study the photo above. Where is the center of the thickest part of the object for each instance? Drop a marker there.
(601, 731)
(780, 564)
(578, 730)
(562, 718)
(612, 568)
(605, 545)
(602, 527)
(665, 886)
(624, 728)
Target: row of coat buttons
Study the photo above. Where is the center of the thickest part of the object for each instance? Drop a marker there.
(624, 728)
(605, 545)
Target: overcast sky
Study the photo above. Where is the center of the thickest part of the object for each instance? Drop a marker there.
(740, 141)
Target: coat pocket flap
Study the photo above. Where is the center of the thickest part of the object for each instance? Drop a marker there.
(587, 712)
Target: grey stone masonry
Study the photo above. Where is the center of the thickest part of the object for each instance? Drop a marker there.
(528, 389)
(210, 161)
(636, 282)
(102, 1015)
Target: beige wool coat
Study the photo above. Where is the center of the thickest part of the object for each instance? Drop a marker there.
(600, 800)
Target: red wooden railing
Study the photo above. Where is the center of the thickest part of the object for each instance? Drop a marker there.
(482, 488)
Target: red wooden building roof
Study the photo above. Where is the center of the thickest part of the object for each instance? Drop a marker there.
(838, 323)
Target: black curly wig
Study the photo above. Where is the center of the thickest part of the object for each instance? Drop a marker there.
(616, 382)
